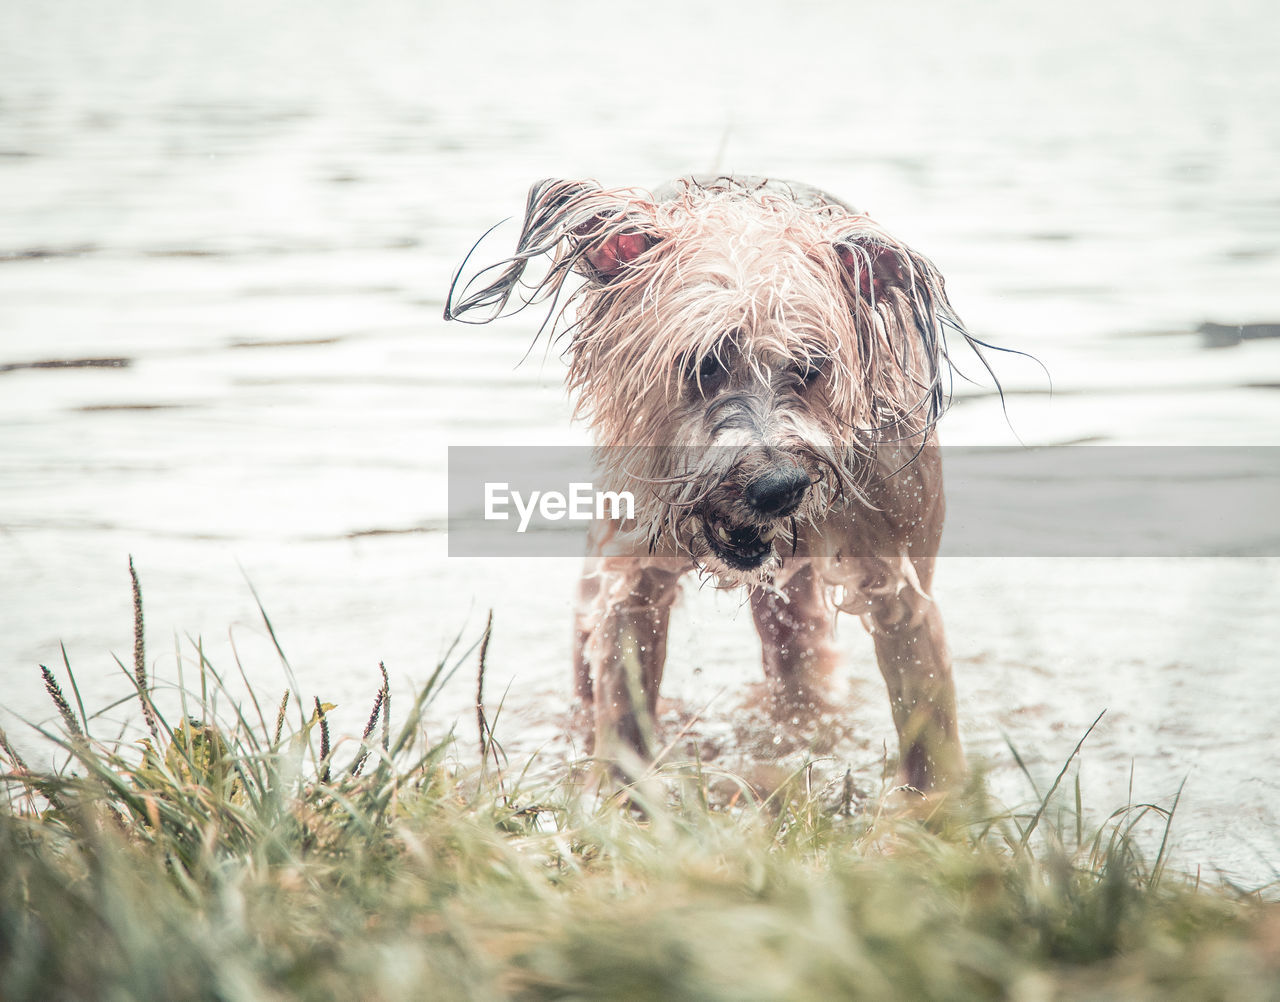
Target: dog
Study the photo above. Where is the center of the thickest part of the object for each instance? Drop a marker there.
(763, 366)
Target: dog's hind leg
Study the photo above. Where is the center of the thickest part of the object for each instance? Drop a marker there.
(795, 621)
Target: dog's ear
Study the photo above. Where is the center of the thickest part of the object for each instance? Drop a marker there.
(589, 230)
(900, 306)
(614, 236)
(608, 249)
(874, 268)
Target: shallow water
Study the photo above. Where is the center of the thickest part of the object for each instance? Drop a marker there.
(257, 210)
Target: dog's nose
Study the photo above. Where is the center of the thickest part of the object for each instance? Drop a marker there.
(778, 493)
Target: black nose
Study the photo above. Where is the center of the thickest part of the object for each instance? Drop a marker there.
(778, 492)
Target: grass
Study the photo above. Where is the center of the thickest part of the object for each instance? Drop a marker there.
(245, 856)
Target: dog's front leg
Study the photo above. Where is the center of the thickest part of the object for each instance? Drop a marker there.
(622, 648)
(911, 648)
(795, 621)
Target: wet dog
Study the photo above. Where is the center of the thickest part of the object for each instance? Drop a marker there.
(763, 367)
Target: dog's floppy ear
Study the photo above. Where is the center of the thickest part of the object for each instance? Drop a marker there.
(900, 306)
(587, 229)
(608, 249)
(874, 267)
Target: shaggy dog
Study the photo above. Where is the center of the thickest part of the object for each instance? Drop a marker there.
(762, 366)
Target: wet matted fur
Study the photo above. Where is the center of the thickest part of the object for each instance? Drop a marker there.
(762, 366)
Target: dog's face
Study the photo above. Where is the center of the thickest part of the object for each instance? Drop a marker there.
(738, 353)
(754, 451)
(737, 454)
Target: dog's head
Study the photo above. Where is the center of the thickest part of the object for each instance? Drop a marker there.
(740, 352)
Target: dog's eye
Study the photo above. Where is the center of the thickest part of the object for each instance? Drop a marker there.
(707, 374)
(808, 372)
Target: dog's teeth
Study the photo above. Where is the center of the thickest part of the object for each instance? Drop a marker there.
(766, 535)
(723, 533)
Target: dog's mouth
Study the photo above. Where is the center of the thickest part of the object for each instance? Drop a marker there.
(742, 547)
